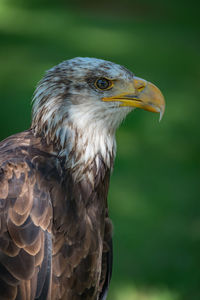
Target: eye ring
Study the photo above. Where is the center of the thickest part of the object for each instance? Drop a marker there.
(103, 83)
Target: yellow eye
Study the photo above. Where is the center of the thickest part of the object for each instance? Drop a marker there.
(103, 83)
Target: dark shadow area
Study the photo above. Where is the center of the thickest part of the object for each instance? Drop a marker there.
(154, 195)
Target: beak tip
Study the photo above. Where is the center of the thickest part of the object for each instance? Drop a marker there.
(162, 110)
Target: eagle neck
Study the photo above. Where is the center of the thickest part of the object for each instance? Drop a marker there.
(84, 151)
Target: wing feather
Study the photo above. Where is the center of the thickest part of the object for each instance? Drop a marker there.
(25, 216)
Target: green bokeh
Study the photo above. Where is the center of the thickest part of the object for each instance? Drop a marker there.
(154, 195)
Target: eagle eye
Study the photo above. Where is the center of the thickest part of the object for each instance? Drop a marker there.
(103, 83)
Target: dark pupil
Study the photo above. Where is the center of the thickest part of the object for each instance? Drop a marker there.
(102, 83)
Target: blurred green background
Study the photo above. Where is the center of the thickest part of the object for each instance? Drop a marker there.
(154, 194)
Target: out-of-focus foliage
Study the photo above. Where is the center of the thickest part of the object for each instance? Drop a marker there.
(154, 195)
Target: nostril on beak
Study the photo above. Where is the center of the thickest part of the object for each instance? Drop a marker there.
(139, 83)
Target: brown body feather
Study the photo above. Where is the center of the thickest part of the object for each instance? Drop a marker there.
(55, 234)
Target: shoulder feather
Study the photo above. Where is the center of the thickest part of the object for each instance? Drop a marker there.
(25, 221)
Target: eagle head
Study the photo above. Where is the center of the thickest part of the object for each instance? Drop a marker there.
(84, 100)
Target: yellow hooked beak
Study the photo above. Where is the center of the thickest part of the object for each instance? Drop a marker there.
(141, 94)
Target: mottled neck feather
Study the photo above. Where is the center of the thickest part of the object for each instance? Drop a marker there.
(80, 137)
(82, 148)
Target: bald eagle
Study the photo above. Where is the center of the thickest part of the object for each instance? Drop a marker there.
(55, 231)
